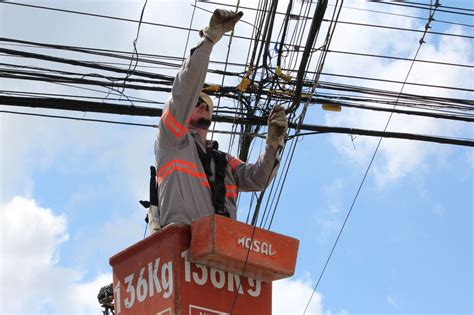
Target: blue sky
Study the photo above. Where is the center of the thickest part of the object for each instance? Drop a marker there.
(70, 189)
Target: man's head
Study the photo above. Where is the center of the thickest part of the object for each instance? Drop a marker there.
(202, 113)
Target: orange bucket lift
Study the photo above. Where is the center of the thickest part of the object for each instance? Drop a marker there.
(215, 266)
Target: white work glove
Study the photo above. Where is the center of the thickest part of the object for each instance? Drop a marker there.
(277, 126)
(153, 215)
(222, 21)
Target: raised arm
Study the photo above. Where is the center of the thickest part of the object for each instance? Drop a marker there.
(187, 85)
(189, 81)
(256, 177)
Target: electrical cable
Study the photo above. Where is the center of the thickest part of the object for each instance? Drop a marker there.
(424, 7)
(326, 45)
(367, 171)
(130, 71)
(406, 15)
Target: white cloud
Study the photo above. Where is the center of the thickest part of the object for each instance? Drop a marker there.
(119, 155)
(291, 297)
(329, 219)
(470, 159)
(41, 142)
(32, 279)
(31, 238)
(397, 158)
(392, 301)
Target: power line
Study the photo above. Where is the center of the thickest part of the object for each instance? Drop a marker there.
(73, 96)
(237, 36)
(147, 74)
(401, 58)
(316, 78)
(79, 119)
(361, 9)
(108, 108)
(440, 5)
(114, 122)
(398, 82)
(130, 71)
(53, 78)
(103, 16)
(363, 24)
(405, 29)
(423, 7)
(407, 16)
(268, 83)
(421, 41)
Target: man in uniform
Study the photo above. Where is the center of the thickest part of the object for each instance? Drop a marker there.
(194, 178)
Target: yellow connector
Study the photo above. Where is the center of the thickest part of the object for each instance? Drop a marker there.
(211, 88)
(280, 74)
(243, 85)
(332, 107)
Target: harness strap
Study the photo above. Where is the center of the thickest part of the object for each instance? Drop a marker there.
(218, 188)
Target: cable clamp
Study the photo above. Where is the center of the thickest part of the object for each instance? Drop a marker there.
(280, 74)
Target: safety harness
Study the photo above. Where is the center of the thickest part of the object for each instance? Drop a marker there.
(216, 182)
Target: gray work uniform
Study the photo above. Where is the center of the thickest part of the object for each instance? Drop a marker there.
(184, 192)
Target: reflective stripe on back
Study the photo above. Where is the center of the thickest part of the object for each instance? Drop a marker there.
(183, 167)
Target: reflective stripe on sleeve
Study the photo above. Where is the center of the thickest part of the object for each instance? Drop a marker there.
(234, 162)
(231, 191)
(175, 127)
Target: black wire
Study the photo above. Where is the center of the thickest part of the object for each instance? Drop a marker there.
(189, 31)
(122, 54)
(280, 184)
(225, 69)
(195, 30)
(311, 39)
(328, 39)
(103, 16)
(398, 82)
(250, 207)
(130, 71)
(363, 24)
(440, 5)
(425, 7)
(407, 16)
(95, 120)
(330, 32)
(360, 9)
(236, 296)
(91, 14)
(323, 85)
(267, 37)
(290, 160)
(400, 58)
(48, 78)
(135, 100)
(285, 28)
(404, 29)
(366, 172)
(79, 119)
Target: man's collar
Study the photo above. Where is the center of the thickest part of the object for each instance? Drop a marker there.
(209, 143)
(212, 144)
